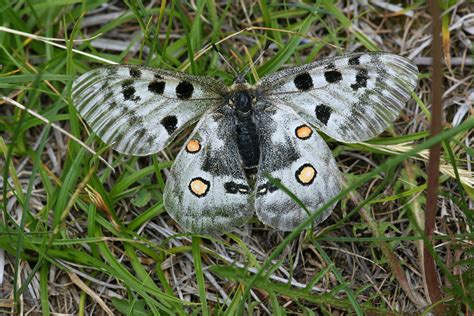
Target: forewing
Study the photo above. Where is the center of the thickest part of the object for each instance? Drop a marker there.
(139, 110)
(351, 98)
(295, 154)
(206, 191)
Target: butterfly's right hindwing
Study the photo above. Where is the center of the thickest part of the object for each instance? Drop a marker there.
(139, 110)
(207, 191)
(293, 153)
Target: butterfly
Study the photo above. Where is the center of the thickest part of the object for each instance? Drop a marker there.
(245, 133)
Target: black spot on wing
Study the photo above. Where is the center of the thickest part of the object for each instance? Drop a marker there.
(135, 72)
(354, 60)
(184, 90)
(129, 94)
(170, 123)
(303, 81)
(361, 79)
(323, 113)
(156, 86)
(128, 91)
(234, 188)
(330, 66)
(231, 187)
(332, 76)
(266, 188)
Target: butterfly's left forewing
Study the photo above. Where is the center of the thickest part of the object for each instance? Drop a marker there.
(293, 153)
(207, 191)
(350, 98)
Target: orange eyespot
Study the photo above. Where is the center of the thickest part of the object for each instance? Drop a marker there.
(199, 187)
(193, 146)
(303, 132)
(306, 174)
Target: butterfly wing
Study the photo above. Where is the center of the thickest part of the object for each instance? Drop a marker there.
(351, 98)
(140, 110)
(294, 153)
(207, 191)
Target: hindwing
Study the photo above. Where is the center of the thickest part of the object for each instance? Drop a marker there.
(207, 191)
(293, 153)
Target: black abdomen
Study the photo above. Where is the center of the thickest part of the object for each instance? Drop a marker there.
(247, 143)
(246, 129)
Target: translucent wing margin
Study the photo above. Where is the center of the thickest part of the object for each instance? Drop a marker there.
(351, 98)
(207, 191)
(139, 110)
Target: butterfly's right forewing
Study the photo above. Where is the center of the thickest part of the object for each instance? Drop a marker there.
(139, 110)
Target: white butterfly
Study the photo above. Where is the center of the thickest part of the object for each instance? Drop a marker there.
(246, 132)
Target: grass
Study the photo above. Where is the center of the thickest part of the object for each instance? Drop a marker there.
(74, 231)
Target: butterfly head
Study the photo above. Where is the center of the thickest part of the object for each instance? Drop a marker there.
(242, 100)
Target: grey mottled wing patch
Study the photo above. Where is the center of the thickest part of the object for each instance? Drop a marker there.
(351, 98)
(207, 191)
(294, 153)
(139, 110)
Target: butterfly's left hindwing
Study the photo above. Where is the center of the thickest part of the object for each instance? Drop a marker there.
(207, 191)
(139, 110)
(293, 153)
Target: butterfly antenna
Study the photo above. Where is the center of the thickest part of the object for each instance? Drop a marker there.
(224, 59)
(242, 75)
